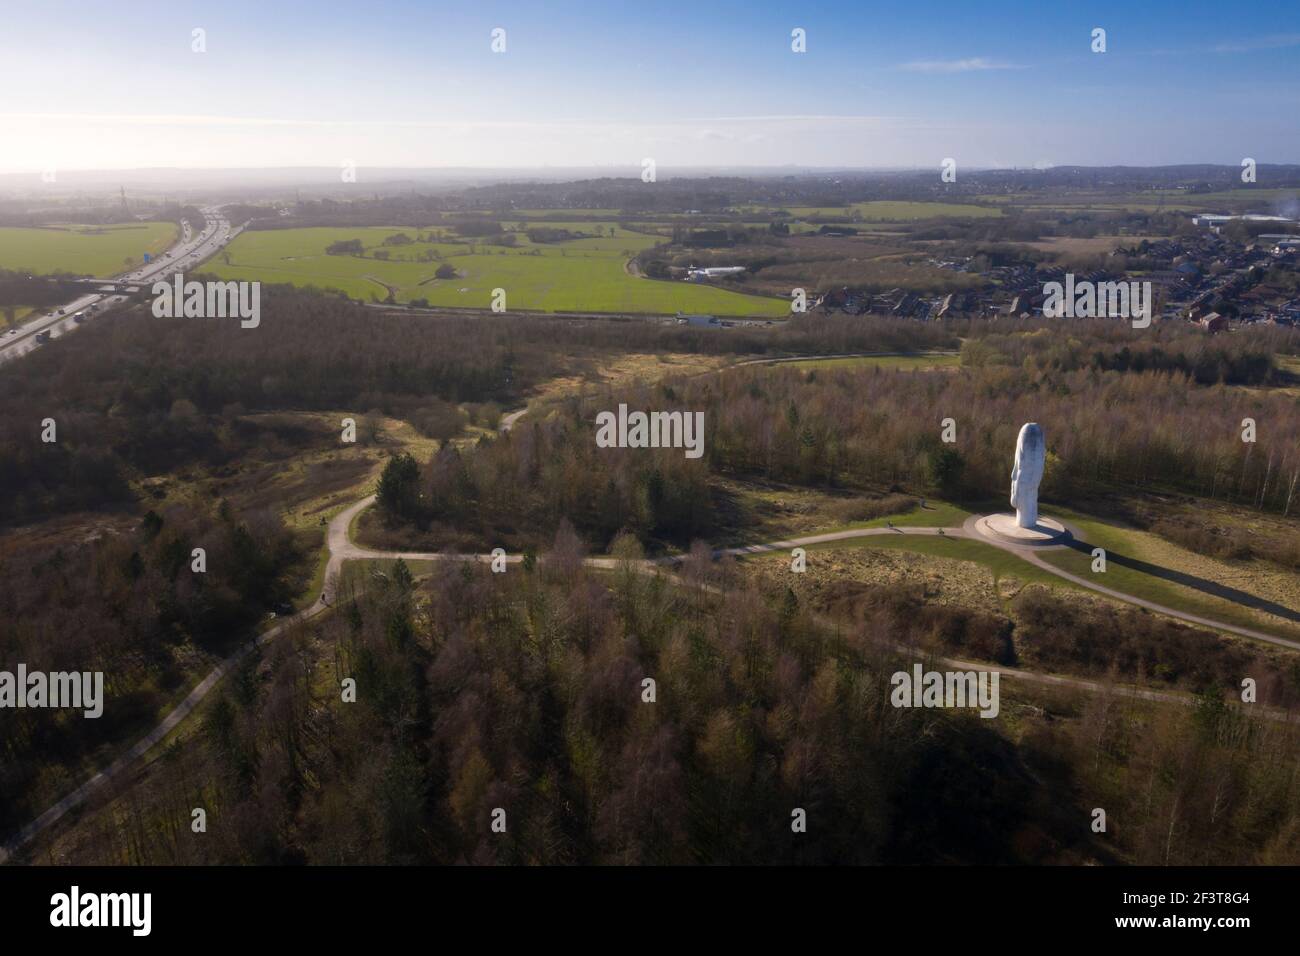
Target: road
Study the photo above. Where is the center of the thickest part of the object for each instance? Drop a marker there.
(341, 548)
(186, 255)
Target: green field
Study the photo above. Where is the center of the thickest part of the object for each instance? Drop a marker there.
(587, 274)
(1242, 194)
(83, 250)
(887, 211)
(882, 210)
(1250, 198)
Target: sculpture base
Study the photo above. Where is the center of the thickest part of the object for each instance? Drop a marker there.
(1047, 532)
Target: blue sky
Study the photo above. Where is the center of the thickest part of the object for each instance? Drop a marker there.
(111, 85)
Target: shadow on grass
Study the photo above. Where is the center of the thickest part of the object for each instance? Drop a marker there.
(1191, 581)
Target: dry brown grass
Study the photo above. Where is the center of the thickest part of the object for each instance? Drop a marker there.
(943, 580)
(70, 530)
(623, 371)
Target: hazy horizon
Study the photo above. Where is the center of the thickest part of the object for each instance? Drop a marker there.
(401, 85)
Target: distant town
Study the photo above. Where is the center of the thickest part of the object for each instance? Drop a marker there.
(1211, 278)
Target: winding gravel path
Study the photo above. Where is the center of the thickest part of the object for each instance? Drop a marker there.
(342, 548)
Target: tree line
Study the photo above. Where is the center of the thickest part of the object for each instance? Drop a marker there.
(867, 429)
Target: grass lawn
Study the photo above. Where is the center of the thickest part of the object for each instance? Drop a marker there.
(935, 514)
(83, 250)
(1158, 553)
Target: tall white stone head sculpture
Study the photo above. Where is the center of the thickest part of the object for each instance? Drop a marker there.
(1031, 455)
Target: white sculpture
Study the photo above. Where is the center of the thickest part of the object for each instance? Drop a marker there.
(1031, 455)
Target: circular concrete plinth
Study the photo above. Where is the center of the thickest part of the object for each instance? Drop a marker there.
(1048, 532)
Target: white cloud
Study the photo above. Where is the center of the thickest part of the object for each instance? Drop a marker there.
(968, 65)
(1274, 42)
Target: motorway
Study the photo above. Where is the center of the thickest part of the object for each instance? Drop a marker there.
(187, 255)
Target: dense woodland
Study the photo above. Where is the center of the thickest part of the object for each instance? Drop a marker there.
(127, 605)
(478, 691)
(132, 394)
(524, 692)
(1116, 415)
